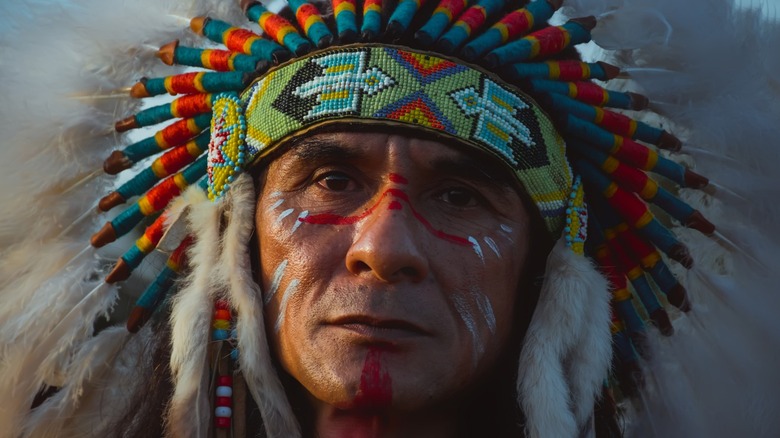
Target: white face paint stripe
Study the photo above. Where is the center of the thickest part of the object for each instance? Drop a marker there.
(464, 310)
(275, 204)
(298, 220)
(477, 248)
(483, 302)
(289, 292)
(506, 228)
(492, 244)
(275, 281)
(283, 215)
(275, 194)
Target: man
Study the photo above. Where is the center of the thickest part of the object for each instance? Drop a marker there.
(378, 302)
(384, 238)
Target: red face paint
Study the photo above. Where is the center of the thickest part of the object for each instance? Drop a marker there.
(334, 219)
(376, 389)
(398, 179)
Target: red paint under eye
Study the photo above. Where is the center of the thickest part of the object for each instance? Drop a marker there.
(334, 219)
(376, 387)
(396, 178)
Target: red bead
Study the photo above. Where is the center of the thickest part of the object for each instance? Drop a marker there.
(221, 304)
(224, 401)
(225, 380)
(222, 314)
(222, 422)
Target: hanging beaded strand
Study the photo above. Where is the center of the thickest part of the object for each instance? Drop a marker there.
(223, 391)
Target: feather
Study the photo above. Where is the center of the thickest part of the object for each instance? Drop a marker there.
(245, 295)
(90, 362)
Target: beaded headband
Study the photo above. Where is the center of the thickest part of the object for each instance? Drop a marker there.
(254, 99)
(384, 84)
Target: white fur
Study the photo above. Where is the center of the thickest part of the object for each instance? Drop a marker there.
(254, 355)
(571, 322)
(189, 414)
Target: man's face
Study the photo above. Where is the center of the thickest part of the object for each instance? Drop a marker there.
(389, 266)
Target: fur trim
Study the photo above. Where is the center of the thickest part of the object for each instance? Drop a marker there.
(245, 296)
(189, 413)
(567, 348)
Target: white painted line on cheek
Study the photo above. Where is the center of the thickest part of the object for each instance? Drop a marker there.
(492, 244)
(275, 194)
(283, 215)
(289, 292)
(483, 302)
(275, 204)
(298, 221)
(506, 228)
(477, 248)
(275, 281)
(464, 310)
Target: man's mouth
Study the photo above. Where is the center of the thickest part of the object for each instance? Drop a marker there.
(378, 328)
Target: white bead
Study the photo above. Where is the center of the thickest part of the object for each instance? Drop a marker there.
(223, 411)
(224, 391)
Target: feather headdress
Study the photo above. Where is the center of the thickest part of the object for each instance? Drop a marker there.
(65, 89)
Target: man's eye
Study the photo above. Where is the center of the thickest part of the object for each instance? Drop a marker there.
(336, 181)
(459, 197)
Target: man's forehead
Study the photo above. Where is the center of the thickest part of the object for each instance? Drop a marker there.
(377, 147)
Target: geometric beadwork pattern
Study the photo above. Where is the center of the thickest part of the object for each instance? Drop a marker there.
(343, 81)
(227, 149)
(496, 112)
(576, 229)
(394, 86)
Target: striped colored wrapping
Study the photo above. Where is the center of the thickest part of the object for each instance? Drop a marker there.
(560, 70)
(214, 59)
(512, 25)
(186, 106)
(468, 23)
(310, 20)
(402, 16)
(236, 39)
(158, 197)
(626, 150)
(632, 209)
(586, 92)
(172, 135)
(170, 162)
(281, 30)
(196, 82)
(545, 42)
(344, 15)
(445, 12)
(614, 122)
(640, 183)
(156, 293)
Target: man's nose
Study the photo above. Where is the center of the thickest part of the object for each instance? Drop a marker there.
(387, 245)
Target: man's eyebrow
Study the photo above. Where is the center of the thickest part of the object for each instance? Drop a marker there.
(323, 149)
(475, 169)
